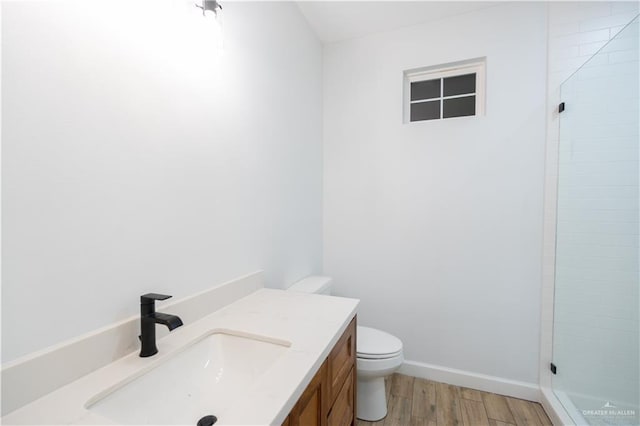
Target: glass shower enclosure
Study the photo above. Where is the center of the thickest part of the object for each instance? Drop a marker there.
(596, 343)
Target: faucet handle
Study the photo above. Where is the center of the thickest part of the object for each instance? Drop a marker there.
(150, 298)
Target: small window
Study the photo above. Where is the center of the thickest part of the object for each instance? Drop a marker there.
(445, 91)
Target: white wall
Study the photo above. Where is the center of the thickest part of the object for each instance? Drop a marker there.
(437, 226)
(137, 159)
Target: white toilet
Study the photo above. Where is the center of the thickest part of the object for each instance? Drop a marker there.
(378, 354)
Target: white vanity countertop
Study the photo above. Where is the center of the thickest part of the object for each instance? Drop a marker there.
(312, 323)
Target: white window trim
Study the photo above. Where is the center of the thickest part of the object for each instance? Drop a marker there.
(477, 66)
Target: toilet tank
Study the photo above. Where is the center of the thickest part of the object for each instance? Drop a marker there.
(314, 284)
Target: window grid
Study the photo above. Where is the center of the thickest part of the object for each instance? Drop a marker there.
(464, 95)
(442, 98)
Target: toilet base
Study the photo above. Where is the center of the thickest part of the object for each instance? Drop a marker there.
(372, 399)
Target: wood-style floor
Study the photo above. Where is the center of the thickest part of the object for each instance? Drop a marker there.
(419, 402)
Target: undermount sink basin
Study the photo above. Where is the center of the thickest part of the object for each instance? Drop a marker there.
(203, 379)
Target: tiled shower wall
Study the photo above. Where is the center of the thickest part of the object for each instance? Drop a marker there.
(577, 31)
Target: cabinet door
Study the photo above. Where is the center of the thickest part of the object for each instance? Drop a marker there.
(343, 410)
(341, 360)
(311, 408)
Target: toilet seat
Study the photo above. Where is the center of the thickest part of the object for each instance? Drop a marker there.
(376, 344)
(378, 356)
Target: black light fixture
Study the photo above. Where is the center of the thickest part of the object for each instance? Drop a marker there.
(209, 6)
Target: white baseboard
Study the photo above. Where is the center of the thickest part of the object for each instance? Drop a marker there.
(499, 385)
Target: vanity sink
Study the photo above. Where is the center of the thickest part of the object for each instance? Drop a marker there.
(204, 378)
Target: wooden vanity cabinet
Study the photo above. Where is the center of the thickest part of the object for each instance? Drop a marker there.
(330, 398)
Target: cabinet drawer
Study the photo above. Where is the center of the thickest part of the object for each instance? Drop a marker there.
(342, 412)
(341, 360)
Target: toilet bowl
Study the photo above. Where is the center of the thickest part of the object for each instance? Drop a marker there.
(378, 354)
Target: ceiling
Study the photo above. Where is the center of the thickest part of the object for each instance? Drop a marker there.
(340, 20)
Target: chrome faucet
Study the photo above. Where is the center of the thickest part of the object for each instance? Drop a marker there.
(148, 320)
